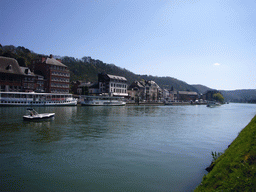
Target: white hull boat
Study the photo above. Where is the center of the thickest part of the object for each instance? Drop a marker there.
(36, 116)
(212, 104)
(102, 101)
(36, 99)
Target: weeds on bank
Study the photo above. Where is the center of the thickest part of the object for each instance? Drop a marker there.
(216, 155)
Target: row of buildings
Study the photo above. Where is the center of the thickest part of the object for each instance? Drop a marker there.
(148, 91)
(49, 75)
(46, 74)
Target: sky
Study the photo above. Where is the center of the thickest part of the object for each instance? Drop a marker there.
(207, 42)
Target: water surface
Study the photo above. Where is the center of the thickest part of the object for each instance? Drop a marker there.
(128, 148)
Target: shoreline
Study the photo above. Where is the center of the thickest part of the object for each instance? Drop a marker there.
(162, 103)
(235, 169)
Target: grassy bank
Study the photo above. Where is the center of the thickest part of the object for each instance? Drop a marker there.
(235, 169)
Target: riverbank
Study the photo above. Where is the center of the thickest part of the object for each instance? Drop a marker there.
(162, 103)
(235, 169)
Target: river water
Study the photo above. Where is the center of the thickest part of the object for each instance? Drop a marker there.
(129, 148)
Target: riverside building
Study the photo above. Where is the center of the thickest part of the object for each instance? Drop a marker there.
(112, 85)
(54, 72)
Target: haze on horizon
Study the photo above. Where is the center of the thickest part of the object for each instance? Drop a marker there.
(200, 42)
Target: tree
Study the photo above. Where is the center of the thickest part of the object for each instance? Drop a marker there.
(22, 62)
(218, 97)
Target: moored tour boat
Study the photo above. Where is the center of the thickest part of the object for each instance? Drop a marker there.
(102, 101)
(33, 115)
(36, 99)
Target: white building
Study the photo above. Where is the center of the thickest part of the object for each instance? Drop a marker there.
(112, 85)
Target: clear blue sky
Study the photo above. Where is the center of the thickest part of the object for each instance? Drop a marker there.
(208, 42)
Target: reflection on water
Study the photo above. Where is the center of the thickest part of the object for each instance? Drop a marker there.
(39, 123)
(128, 148)
(43, 130)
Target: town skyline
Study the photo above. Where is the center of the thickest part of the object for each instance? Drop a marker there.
(209, 43)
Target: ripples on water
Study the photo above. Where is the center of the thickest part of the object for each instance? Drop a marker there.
(130, 148)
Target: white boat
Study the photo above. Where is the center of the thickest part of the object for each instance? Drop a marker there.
(33, 115)
(102, 101)
(212, 104)
(36, 99)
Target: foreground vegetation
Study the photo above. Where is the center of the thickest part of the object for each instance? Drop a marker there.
(235, 169)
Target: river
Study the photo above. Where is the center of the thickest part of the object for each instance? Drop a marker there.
(128, 148)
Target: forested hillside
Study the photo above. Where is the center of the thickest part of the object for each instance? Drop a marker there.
(240, 96)
(81, 69)
(87, 69)
(201, 88)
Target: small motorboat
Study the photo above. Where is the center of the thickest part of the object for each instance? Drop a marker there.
(212, 104)
(33, 115)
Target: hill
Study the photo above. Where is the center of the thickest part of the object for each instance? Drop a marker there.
(235, 169)
(241, 96)
(201, 88)
(87, 69)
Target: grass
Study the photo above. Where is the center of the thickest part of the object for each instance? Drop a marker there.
(235, 169)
